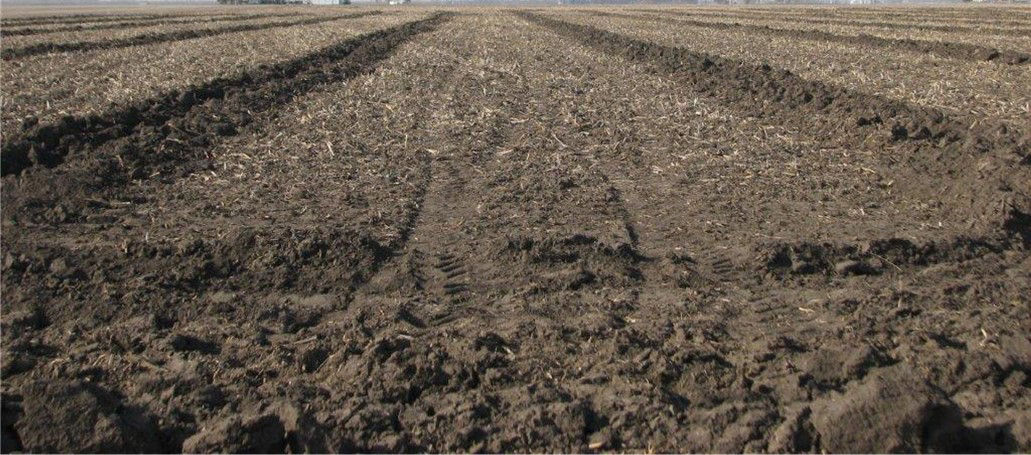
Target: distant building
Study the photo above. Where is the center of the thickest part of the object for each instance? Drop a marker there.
(257, 2)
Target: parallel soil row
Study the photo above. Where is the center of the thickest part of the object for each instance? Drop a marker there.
(40, 95)
(969, 22)
(933, 142)
(942, 49)
(153, 38)
(135, 141)
(940, 15)
(846, 14)
(504, 240)
(132, 24)
(1007, 16)
(93, 18)
(859, 23)
(968, 91)
(323, 251)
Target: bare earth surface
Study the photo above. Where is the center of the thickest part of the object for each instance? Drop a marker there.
(554, 229)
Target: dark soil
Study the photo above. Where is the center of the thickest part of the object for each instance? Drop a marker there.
(90, 18)
(154, 38)
(961, 51)
(129, 134)
(133, 24)
(997, 17)
(504, 232)
(872, 23)
(926, 137)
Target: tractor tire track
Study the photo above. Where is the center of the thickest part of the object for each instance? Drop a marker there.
(961, 51)
(551, 346)
(467, 250)
(167, 133)
(705, 265)
(444, 268)
(431, 266)
(330, 258)
(154, 38)
(142, 23)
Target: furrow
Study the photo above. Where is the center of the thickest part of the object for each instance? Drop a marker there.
(154, 38)
(443, 209)
(961, 51)
(924, 18)
(168, 133)
(845, 15)
(134, 24)
(926, 141)
(48, 145)
(868, 23)
(93, 18)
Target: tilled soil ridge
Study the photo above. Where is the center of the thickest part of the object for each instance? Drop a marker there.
(984, 28)
(118, 146)
(152, 38)
(91, 18)
(941, 49)
(140, 23)
(926, 138)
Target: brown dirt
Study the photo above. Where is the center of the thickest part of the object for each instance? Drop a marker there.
(152, 38)
(500, 231)
(44, 89)
(130, 133)
(978, 16)
(968, 91)
(133, 24)
(891, 24)
(1007, 42)
(89, 18)
(941, 49)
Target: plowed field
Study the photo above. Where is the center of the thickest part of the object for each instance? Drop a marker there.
(592, 229)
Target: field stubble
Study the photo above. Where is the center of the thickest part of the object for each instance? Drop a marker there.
(1008, 44)
(132, 23)
(45, 88)
(505, 231)
(975, 90)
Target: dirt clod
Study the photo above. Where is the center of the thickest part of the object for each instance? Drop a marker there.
(891, 411)
(89, 419)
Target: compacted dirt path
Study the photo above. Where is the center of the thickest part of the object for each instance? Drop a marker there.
(501, 231)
